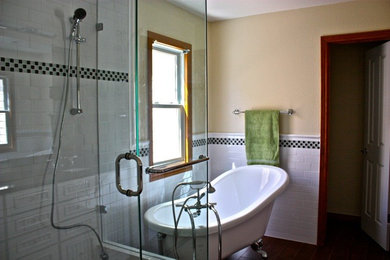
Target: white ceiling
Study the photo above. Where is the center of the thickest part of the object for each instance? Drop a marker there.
(229, 9)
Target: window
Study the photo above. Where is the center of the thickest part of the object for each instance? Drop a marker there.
(169, 77)
(6, 138)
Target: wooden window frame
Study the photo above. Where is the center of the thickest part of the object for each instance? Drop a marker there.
(152, 37)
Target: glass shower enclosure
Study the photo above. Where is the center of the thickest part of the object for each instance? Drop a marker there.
(90, 91)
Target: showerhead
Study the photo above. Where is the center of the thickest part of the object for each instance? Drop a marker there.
(79, 14)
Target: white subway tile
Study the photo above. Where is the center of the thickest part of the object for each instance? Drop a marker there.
(31, 242)
(50, 253)
(74, 208)
(3, 250)
(28, 199)
(88, 219)
(81, 247)
(85, 188)
(37, 219)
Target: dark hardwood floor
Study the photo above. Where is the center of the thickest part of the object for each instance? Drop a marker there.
(345, 240)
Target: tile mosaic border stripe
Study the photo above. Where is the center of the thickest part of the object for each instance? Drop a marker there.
(282, 142)
(199, 142)
(46, 68)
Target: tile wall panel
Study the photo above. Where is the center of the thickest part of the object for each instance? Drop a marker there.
(3, 250)
(2, 230)
(26, 200)
(36, 219)
(50, 253)
(29, 243)
(80, 247)
(89, 219)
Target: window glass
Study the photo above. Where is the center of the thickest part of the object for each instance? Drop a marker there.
(4, 138)
(165, 89)
(169, 110)
(3, 129)
(2, 95)
(167, 134)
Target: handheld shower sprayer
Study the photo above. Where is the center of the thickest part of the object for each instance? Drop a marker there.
(78, 16)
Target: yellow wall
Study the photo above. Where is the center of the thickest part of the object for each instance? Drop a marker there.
(273, 61)
(167, 19)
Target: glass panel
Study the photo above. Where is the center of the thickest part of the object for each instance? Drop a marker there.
(165, 73)
(167, 134)
(3, 128)
(117, 125)
(63, 164)
(52, 168)
(184, 22)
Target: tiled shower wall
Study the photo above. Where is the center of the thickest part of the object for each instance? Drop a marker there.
(295, 212)
(33, 51)
(33, 54)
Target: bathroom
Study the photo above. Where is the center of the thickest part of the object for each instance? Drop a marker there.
(263, 61)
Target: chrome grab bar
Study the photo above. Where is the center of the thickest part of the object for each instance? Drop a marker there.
(159, 169)
(129, 156)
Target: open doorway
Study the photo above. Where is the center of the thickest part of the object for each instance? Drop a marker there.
(348, 91)
(365, 40)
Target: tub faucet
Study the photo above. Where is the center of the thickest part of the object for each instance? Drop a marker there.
(184, 206)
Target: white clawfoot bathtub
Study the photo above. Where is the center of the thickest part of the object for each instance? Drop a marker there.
(244, 198)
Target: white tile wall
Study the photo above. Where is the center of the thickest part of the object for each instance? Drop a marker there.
(295, 212)
(36, 219)
(3, 250)
(80, 247)
(31, 242)
(50, 253)
(24, 217)
(2, 229)
(27, 200)
(89, 219)
(25, 230)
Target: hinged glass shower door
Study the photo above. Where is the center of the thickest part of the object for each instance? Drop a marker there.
(125, 125)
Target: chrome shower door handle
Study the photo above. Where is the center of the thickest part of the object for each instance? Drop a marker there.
(129, 157)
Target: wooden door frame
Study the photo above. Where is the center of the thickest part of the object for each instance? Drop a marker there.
(326, 42)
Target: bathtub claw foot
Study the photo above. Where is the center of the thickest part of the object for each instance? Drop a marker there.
(263, 254)
(258, 247)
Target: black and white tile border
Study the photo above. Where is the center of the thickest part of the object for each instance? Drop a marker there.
(282, 142)
(45, 68)
(299, 144)
(142, 151)
(199, 142)
(226, 141)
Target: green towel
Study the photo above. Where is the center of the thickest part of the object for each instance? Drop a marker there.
(262, 137)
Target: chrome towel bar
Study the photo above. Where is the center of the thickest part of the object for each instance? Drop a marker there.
(288, 111)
